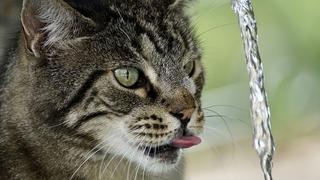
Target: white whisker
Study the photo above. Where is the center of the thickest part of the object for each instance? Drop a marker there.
(88, 157)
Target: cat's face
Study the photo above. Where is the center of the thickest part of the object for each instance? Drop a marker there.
(133, 84)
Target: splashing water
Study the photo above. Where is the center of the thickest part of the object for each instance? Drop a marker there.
(260, 113)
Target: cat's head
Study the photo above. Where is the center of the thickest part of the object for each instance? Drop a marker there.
(126, 73)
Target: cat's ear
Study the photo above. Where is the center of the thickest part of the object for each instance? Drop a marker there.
(48, 23)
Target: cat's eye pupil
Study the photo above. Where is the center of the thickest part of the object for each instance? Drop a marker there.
(189, 68)
(127, 76)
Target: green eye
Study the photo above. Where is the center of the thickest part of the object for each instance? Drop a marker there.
(189, 68)
(127, 76)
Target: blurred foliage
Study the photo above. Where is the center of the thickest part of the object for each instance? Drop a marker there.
(289, 43)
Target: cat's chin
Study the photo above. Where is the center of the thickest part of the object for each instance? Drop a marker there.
(167, 154)
(161, 159)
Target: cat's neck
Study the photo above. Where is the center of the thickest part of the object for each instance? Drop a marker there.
(25, 137)
(16, 87)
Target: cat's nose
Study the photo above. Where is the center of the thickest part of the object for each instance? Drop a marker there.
(184, 114)
(182, 105)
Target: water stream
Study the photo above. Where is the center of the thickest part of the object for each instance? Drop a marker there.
(260, 112)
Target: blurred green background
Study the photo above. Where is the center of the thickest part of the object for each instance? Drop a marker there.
(289, 43)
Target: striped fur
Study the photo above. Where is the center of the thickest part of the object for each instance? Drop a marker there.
(63, 114)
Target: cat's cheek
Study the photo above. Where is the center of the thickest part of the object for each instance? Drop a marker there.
(100, 128)
(196, 125)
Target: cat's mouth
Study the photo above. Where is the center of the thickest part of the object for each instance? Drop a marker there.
(166, 153)
(156, 151)
(170, 152)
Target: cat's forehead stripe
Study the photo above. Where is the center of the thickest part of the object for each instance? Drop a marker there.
(150, 51)
(175, 39)
(152, 75)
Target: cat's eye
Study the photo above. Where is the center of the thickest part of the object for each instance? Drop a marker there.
(128, 77)
(189, 68)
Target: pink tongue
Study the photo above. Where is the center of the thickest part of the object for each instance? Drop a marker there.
(186, 141)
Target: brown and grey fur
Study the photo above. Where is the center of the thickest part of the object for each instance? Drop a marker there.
(62, 113)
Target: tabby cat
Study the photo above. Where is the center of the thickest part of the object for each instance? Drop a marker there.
(100, 89)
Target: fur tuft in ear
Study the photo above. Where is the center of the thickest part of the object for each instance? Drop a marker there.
(51, 22)
(170, 4)
(176, 3)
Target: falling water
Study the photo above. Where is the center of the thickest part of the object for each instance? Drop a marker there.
(260, 113)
